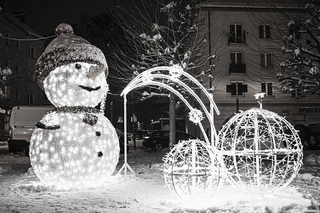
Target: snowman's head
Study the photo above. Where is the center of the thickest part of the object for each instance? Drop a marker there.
(72, 71)
(75, 84)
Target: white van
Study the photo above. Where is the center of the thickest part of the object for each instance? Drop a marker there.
(23, 121)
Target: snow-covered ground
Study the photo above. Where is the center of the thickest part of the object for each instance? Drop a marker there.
(145, 191)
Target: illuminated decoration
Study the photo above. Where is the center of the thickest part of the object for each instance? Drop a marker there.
(262, 152)
(175, 71)
(195, 116)
(62, 86)
(192, 168)
(74, 145)
(191, 171)
(155, 77)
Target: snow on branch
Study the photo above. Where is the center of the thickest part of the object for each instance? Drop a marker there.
(300, 71)
(156, 33)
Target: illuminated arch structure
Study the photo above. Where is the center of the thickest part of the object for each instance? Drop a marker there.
(257, 150)
(191, 168)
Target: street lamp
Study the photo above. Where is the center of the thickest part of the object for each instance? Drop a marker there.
(259, 97)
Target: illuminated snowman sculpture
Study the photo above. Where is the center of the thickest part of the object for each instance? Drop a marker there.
(74, 145)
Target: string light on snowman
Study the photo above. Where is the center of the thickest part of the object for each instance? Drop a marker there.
(262, 152)
(74, 145)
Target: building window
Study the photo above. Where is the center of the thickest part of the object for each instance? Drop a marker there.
(7, 92)
(19, 46)
(31, 52)
(236, 58)
(18, 70)
(18, 95)
(267, 88)
(236, 63)
(264, 31)
(232, 88)
(265, 60)
(30, 98)
(236, 35)
(8, 41)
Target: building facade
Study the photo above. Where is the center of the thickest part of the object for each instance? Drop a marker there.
(245, 37)
(20, 47)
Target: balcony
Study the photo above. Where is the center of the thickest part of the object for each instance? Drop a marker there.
(237, 38)
(237, 68)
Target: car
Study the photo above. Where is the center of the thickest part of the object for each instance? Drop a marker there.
(23, 120)
(159, 139)
(139, 134)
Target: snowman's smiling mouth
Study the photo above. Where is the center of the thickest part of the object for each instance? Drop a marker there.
(90, 89)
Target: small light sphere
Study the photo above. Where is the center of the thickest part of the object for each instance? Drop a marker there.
(262, 152)
(192, 171)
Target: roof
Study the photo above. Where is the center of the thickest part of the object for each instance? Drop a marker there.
(19, 24)
(254, 4)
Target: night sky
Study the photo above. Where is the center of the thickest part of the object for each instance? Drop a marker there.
(44, 16)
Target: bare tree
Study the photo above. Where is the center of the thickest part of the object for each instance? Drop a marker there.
(155, 33)
(4, 75)
(5, 71)
(300, 71)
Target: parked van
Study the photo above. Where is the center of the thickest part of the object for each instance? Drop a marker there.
(23, 121)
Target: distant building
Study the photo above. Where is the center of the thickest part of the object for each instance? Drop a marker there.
(245, 38)
(20, 47)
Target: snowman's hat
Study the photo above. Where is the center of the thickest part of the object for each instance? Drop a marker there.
(68, 48)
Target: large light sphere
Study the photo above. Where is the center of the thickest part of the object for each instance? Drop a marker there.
(262, 152)
(192, 171)
(69, 85)
(77, 154)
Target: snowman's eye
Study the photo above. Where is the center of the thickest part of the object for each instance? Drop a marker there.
(78, 66)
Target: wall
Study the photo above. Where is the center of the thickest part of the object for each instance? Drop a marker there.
(216, 29)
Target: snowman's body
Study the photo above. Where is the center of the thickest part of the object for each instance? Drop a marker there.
(75, 145)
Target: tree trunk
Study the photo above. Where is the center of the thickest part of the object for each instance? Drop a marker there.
(172, 123)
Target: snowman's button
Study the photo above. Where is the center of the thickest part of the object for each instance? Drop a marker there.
(100, 154)
(98, 133)
(78, 66)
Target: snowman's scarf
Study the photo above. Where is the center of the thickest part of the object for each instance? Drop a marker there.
(89, 117)
(76, 109)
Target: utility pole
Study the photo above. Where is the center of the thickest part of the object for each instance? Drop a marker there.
(237, 92)
(237, 89)
(172, 120)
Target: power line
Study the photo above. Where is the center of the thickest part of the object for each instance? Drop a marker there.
(26, 39)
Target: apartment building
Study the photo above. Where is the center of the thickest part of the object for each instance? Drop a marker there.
(245, 37)
(20, 47)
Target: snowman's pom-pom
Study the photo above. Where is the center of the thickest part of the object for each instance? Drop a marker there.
(64, 29)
